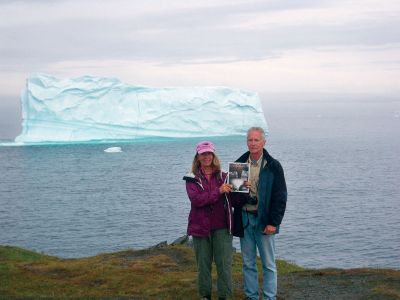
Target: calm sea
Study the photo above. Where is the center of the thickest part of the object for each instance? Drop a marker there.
(341, 162)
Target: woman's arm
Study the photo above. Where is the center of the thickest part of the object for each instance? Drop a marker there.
(200, 197)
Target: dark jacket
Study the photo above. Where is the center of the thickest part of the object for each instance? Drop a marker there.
(272, 196)
(202, 197)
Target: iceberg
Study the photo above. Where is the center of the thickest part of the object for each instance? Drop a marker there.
(101, 109)
(113, 150)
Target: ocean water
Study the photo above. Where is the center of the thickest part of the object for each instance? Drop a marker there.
(341, 163)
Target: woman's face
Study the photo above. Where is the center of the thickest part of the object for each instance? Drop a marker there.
(206, 159)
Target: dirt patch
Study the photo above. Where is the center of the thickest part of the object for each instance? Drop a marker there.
(177, 255)
(49, 271)
(339, 284)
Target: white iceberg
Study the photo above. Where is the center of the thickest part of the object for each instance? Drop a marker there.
(97, 109)
(113, 149)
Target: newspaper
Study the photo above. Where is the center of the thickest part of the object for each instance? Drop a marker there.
(238, 173)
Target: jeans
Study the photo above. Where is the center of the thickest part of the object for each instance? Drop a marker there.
(217, 246)
(254, 239)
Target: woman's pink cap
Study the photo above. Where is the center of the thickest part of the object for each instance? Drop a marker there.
(205, 147)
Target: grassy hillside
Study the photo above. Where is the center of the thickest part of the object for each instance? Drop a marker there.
(169, 273)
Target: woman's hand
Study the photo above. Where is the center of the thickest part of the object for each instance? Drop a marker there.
(225, 188)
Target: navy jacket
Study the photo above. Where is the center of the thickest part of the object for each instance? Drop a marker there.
(272, 194)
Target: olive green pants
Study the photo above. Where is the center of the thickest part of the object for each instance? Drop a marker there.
(217, 247)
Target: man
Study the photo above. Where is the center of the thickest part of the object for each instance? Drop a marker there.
(258, 221)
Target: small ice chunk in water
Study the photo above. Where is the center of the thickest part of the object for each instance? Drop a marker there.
(113, 150)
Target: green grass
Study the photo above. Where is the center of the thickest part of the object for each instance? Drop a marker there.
(8, 253)
(161, 273)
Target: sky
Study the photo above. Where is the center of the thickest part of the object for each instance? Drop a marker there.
(272, 47)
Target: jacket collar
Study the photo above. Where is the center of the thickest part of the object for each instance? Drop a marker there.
(245, 157)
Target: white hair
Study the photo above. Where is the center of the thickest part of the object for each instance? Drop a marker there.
(259, 129)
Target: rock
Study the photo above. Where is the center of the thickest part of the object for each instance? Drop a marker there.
(183, 240)
(159, 245)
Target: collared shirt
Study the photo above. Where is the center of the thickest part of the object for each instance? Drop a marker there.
(254, 178)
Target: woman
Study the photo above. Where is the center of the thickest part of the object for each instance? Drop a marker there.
(210, 221)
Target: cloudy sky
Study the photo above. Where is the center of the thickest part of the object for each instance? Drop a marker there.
(269, 46)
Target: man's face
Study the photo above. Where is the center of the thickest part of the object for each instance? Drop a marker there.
(255, 142)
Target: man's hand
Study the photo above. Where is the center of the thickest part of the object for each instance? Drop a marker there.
(247, 184)
(269, 229)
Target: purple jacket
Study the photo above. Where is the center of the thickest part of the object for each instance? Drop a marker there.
(202, 197)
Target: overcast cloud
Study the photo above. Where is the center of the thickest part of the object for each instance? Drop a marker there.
(267, 46)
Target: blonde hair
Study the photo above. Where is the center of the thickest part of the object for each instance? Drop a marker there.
(216, 165)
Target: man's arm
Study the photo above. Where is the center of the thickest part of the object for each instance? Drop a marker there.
(278, 197)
